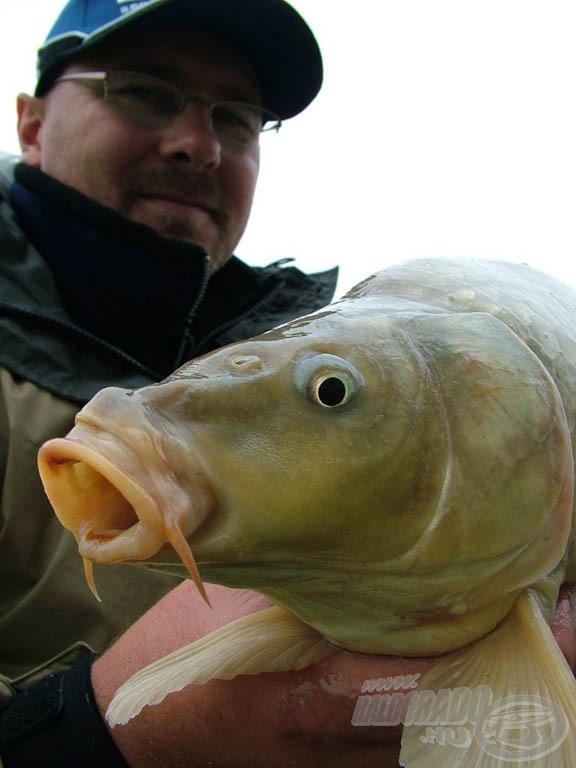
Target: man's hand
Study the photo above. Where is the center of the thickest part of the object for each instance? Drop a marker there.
(284, 719)
(564, 625)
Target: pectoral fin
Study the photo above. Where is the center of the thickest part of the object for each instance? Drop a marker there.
(270, 640)
(519, 659)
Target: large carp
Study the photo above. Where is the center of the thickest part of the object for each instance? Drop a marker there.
(395, 472)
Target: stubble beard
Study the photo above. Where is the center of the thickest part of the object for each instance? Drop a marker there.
(199, 187)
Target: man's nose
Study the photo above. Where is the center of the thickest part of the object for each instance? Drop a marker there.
(189, 138)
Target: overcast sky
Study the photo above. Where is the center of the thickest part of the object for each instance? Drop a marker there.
(444, 128)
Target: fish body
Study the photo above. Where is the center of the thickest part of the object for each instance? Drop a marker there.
(395, 472)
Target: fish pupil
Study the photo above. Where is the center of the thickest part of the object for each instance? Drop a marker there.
(331, 391)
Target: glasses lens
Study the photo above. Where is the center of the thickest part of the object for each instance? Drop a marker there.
(238, 123)
(144, 98)
(153, 103)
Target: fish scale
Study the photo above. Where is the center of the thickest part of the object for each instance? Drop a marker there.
(428, 416)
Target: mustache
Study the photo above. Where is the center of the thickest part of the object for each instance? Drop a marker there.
(200, 187)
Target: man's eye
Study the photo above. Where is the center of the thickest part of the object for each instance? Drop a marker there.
(147, 98)
(237, 120)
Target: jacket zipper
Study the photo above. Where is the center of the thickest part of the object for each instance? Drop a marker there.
(187, 342)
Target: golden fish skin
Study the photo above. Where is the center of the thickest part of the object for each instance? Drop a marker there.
(394, 470)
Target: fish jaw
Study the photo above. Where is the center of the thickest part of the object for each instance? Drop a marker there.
(120, 498)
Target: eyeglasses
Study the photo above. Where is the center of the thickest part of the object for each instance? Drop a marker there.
(153, 103)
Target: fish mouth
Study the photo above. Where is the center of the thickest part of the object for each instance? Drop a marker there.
(112, 503)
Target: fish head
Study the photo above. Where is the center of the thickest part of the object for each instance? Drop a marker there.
(254, 452)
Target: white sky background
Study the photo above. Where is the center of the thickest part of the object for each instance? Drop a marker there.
(444, 128)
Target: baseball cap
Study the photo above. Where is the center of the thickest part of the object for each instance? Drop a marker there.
(270, 34)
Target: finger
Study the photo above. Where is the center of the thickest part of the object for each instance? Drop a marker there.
(564, 625)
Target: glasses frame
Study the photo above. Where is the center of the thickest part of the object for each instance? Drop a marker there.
(271, 122)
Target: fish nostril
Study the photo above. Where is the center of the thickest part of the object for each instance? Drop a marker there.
(246, 363)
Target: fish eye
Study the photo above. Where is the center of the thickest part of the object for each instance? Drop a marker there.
(330, 391)
(327, 380)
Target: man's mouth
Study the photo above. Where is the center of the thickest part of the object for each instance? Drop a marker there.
(180, 201)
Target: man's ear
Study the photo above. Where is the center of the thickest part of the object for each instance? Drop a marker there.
(31, 112)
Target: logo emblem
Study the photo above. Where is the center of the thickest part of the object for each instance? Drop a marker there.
(521, 728)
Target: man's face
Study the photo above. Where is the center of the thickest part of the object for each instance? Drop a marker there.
(178, 179)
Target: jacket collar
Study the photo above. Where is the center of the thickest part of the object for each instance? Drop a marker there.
(116, 279)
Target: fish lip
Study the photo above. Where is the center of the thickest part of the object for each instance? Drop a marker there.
(141, 533)
(107, 507)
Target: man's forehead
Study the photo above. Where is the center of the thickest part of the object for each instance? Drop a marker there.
(185, 57)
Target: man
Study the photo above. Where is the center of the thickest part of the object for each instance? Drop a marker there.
(139, 162)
